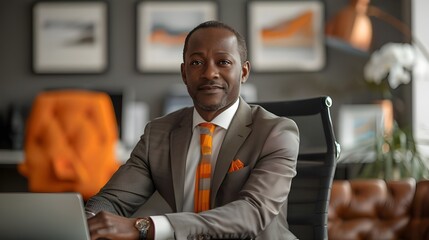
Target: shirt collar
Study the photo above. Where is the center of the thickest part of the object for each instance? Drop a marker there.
(223, 120)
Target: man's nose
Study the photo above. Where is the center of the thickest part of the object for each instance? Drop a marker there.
(211, 71)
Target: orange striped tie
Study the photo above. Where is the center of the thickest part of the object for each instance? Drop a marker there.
(204, 169)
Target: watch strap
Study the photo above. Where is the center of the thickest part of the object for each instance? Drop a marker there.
(143, 235)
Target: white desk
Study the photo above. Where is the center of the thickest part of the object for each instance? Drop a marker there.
(8, 156)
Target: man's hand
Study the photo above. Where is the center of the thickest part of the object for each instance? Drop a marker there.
(106, 225)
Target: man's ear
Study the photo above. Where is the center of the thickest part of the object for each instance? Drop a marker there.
(182, 71)
(245, 71)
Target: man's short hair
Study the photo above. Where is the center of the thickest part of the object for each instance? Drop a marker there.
(242, 48)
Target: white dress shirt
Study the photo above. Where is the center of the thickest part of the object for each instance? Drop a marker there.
(163, 228)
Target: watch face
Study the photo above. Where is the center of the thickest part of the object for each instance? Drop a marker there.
(142, 224)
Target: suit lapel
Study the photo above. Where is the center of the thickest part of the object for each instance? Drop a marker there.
(180, 140)
(235, 136)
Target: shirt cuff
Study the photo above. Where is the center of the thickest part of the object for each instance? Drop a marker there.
(163, 228)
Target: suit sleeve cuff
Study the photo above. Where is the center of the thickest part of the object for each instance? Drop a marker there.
(163, 228)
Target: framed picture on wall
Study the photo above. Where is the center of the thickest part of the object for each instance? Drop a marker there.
(286, 35)
(162, 28)
(70, 37)
(360, 125)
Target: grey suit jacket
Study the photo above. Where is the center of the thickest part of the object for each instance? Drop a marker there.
(248, 203)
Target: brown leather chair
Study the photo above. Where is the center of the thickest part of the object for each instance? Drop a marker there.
(376, 209)
(418, 227)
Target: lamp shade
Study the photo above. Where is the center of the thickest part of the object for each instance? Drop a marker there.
(352, 25)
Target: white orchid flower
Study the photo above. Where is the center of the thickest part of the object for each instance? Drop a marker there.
(393, 61)
(398, 76)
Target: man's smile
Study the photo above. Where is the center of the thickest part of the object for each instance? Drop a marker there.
(210, 88)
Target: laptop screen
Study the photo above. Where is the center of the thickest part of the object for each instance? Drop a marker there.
(42, 216)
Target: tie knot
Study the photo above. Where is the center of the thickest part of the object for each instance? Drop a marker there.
(207, 128)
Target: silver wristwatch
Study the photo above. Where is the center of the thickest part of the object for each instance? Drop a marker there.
(142, 224)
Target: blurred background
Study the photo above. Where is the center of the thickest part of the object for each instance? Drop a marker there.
(140, 95)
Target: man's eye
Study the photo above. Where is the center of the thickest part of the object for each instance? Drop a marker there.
(224, 62)
(196, 62)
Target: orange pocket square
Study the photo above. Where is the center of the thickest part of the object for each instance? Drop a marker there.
(235, 165)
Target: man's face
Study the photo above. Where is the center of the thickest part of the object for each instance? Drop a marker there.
(212, 70)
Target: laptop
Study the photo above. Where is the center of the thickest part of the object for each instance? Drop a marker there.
(42, 216)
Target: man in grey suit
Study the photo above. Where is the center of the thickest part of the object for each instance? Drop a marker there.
(247, 200)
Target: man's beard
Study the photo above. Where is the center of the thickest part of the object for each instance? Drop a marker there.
(213, 107)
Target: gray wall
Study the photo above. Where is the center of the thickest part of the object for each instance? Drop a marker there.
(341, 78)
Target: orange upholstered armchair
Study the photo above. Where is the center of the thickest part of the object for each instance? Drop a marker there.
(70, 142)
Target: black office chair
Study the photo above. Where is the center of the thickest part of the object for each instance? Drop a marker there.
(310, 190)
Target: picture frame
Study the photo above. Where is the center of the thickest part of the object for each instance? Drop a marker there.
(162, 28)
(286, 35)
(360, 125)
(70, 37)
